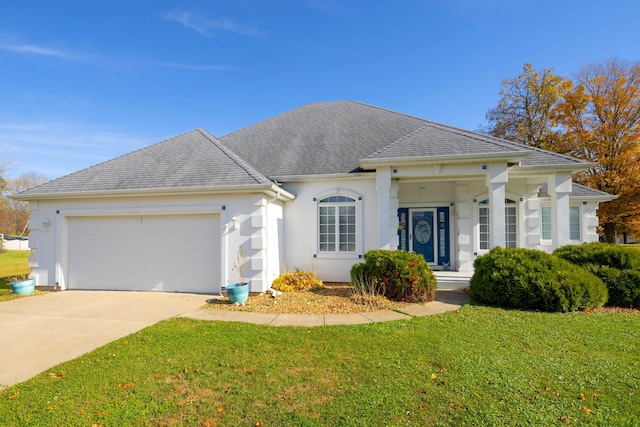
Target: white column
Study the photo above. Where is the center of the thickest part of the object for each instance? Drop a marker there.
(394, 204)
(383, 185)
(559, 186)
(497, 177)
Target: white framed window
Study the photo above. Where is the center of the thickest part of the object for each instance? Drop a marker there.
(575, 224)
(510, 224)
(338, 224)
(545, 222)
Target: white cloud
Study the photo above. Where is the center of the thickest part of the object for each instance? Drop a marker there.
(207, 27)
(55, 148)
(10, 44)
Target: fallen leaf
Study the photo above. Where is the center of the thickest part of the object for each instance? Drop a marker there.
(126, 385)
(583, 397)
(434, 376)
(586, 410)
(220, 409)
(258, 423)
(228, 391)
(14, 395)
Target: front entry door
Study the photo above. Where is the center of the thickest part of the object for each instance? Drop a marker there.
(426, 231)
(423, 234)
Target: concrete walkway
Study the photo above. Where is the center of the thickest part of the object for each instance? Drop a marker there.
(40, 332)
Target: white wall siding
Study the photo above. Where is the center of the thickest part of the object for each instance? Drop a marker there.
(50, 247)
(301, 227)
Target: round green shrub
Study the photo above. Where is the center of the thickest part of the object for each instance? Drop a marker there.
(597, 253)
(617, 266)
(623, 285)
(534, 280)
(398, 275)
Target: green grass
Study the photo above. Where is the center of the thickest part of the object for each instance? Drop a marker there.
(12, 263)
(480, 366)
(635, 246)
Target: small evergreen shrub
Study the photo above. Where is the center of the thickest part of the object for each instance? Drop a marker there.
(398, 275)
(617, 266)
(296, 281)
(623, 285)
(596, 253)
(534, 280)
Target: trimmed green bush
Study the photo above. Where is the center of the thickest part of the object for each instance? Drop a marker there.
(617, 266)
(534, 280)
(398, 275)
(596, 253)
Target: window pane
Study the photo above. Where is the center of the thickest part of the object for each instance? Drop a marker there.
(511, 232)
(546, 223)
(574, 222)
(484, 228)
(326, 231)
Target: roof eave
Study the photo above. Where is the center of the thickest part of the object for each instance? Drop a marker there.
(572, 167)
(511, 157)
(270, 189)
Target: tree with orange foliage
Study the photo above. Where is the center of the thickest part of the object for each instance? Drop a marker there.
(523, 113)
(600, 117)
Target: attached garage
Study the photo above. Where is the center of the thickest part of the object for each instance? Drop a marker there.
(145, 252)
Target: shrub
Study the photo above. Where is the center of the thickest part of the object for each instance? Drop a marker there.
(616, 266)
(623, 285)
(296, 281)
(398, 275)
(596, 253)
(534, 280)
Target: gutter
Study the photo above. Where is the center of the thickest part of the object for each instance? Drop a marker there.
(270, 189)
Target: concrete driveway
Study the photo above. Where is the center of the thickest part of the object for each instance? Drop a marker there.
(39, 332)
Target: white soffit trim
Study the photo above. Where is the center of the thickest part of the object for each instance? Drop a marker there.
(510, 157)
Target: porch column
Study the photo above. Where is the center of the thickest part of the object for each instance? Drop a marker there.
(497, 177)
(383, 185)
(559, 186)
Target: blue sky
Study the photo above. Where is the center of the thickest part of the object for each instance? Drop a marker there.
(85, 81)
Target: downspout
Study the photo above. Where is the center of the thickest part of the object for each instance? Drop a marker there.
(274, 293)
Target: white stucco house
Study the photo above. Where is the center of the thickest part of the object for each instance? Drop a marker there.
(314, 189)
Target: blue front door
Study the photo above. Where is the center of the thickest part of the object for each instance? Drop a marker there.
(423, 234)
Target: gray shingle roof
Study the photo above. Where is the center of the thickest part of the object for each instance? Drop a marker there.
(193, 159)
(577, 190)
(327, 137)
(434, 139)
(320, 138)
(331, 137)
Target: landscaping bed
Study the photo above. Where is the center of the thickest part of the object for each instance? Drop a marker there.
(332, 298)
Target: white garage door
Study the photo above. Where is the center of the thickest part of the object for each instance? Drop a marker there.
(153, 252)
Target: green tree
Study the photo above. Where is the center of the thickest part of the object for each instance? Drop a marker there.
(523, 113)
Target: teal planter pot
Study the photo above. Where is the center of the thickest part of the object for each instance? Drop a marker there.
(238, 293)
(23, 287)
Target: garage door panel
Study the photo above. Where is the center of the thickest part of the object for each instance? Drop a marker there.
(163, 252)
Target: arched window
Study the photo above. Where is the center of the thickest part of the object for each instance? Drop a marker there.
(510, 222)
(337, 224)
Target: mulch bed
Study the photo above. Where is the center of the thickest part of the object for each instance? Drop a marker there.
(331, 298)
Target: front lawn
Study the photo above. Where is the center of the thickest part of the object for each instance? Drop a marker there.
(12, 263)
(480, 366)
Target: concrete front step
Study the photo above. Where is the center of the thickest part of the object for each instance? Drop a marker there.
(452, 279)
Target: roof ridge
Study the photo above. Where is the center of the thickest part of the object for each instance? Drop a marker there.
(283, 114)
(250, 170)
(397, 141)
